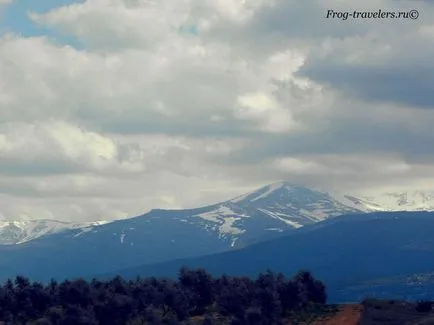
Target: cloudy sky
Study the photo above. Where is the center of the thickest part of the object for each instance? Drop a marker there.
(109, 108)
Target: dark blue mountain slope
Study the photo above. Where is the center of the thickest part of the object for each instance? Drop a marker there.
(345, 252)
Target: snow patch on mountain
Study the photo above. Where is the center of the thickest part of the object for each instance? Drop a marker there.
(290, 205)
(354, 202)
(276, 216)
(415, 200)
(215, 215)
(83, 231)
(296, 206)
(225, 218)
(18, 232)
(274, 229)
(270, 189)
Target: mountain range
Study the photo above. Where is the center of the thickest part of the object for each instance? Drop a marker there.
(277, 207)
(272, 208)
(164, 235)
(50, 249)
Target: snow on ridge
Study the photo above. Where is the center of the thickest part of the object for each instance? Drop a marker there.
(228, 228)
(225, 217)
(214, 215)
(84, 230)
(89, 224)
(316, 215)
(21, 231)
(274, 229)
(240, 198)
(388, 202)
(278, 217)
(271, 188)
(416, 200)
(353, 202)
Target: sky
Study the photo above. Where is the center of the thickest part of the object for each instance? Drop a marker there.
(109, 108)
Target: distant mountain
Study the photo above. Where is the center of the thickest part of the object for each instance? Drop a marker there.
(273, 208)
(377, 254)
(18, 232)
(403, 201)
(250, 217)
(55, 249)
(163, 235)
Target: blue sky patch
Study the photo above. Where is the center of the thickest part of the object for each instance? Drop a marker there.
(15, 19)
(189, 29)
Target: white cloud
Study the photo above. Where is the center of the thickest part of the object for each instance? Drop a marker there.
(265, 109)
(165, 101)
(66, 146)
(144, 24)
(297, 166)
(346, 166)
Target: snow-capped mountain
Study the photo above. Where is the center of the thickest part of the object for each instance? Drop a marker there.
(17, 232)
(280, 205)
(272, 208)
(275, 207)
(291, 206)
(404, 201)
(163, 235)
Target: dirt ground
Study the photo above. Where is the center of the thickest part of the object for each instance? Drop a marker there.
(347, 315)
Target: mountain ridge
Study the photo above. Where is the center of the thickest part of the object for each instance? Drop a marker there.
(289, 205)
(14, 232)
(163, 235)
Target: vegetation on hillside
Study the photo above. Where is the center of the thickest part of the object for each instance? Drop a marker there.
(194, 298)
(396, 312)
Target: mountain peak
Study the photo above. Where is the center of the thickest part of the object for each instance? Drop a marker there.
(285, 184)
(271, 190)
(21, 231)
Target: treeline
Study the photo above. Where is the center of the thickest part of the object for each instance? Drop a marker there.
(194, 298)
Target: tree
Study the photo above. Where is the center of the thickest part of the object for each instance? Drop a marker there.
(199, 285)
(254, 316)
(309, 289)
(41, 321)
(160, 301)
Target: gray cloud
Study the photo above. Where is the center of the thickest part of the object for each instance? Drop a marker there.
(405, 79)
(261, 93)
(340, 139)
